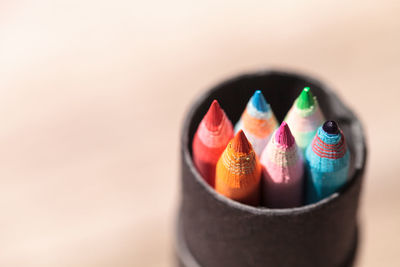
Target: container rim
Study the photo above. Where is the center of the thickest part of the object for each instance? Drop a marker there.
(356, 131)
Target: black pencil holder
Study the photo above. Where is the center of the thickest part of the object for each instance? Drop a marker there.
(214, 231)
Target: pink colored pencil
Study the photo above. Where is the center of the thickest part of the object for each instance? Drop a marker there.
(282, 168)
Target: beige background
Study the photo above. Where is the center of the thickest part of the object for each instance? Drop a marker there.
(92, 95)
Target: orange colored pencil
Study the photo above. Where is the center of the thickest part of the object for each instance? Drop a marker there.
(238, 172)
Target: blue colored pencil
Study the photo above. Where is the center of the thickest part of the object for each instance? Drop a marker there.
(327, 162)
(258, 122)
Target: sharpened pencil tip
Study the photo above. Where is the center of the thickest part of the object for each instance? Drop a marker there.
(214, 116)
(240, 143)
(283, 135)
(305, 99)
(331, 127)
(259, 102)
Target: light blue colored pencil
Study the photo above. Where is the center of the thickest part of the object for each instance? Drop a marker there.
(327, 162)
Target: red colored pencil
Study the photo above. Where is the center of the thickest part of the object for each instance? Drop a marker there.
(211, 138)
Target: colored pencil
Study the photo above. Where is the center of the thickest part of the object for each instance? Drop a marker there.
(327, 162)
(283, 168)
(213, 134)
(238, 172)
(304, 118)
(258, 122)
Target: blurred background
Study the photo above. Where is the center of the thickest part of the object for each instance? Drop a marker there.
(93, 93)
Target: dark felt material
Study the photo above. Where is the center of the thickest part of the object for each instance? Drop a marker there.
(214, 231)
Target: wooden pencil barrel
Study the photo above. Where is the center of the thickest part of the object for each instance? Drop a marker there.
(214, 231)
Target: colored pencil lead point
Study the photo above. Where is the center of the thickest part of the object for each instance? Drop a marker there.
(304, 118)
(259, 102)
(330, 127)
(282, 168)
(258, 122)
(210, 140)
(327, 162)
(238, 172)
(214, 116)
(240, 143)
(283, 135)
(306, 99)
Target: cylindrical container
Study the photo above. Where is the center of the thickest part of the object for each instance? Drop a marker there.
(214, 231)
